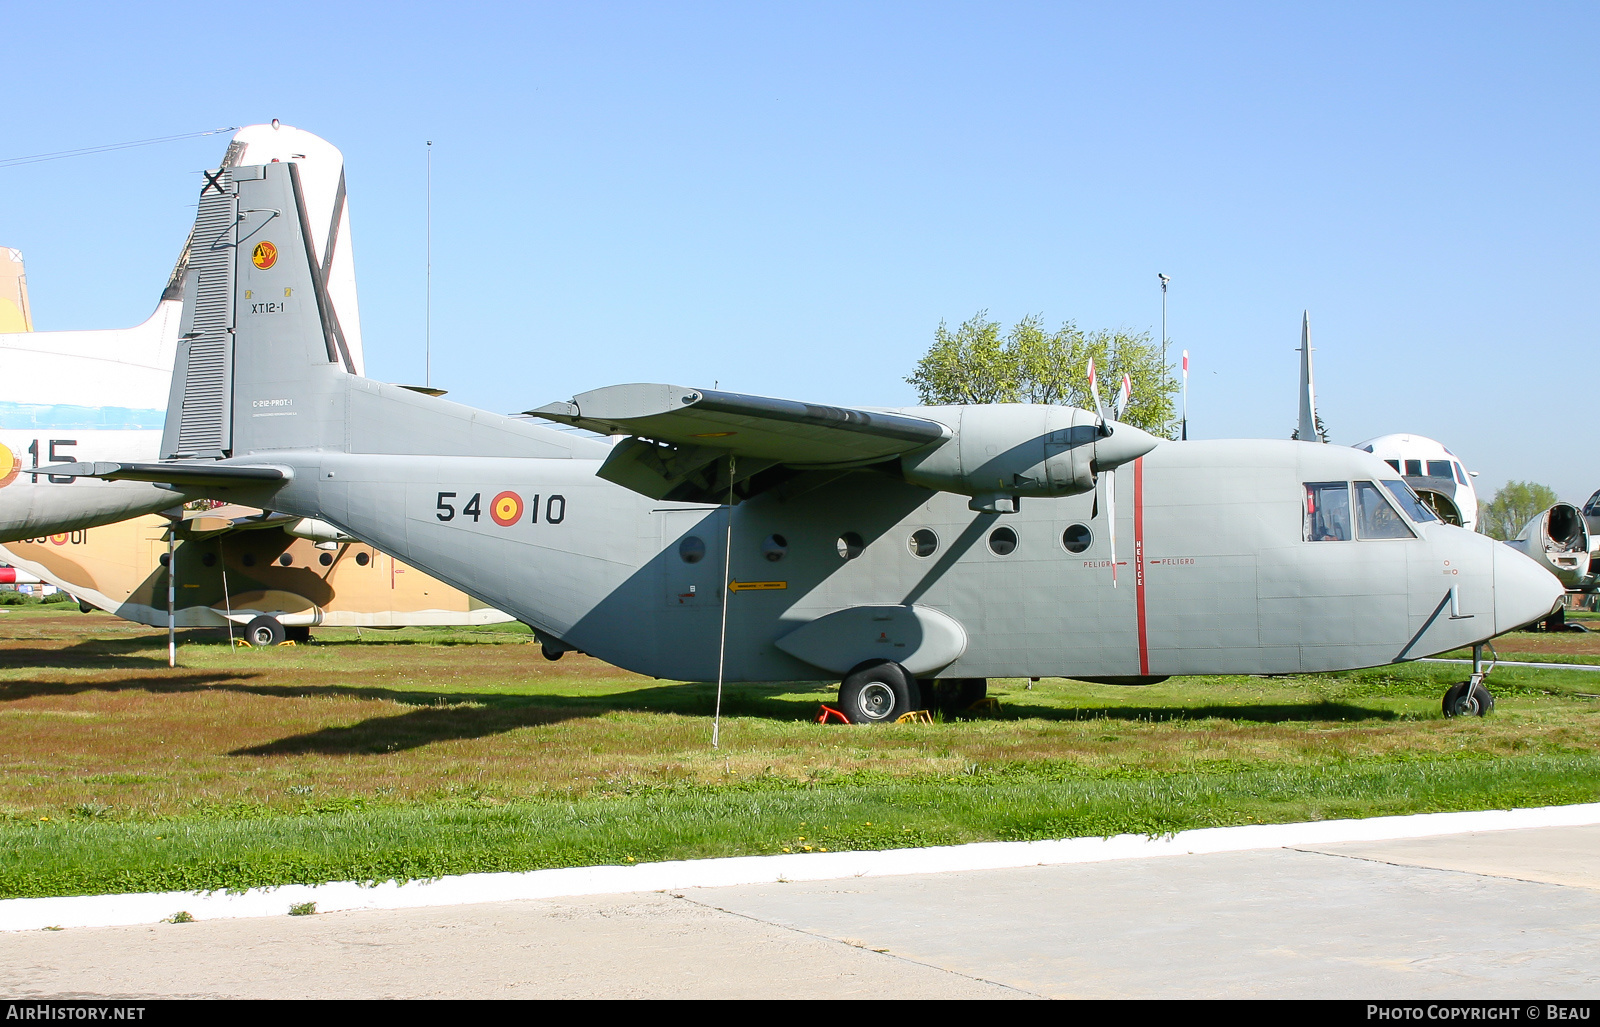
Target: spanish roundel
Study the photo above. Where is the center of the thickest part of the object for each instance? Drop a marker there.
(506, 509)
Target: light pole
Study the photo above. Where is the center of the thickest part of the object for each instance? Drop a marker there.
(1164, 281)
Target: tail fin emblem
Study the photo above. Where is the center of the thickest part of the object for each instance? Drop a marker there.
(264, 255)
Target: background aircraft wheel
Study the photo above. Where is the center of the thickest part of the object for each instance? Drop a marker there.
(264, 631)
(550, 654)
(878, 692)
(951, 696)
(1467, 700)
(298, 633)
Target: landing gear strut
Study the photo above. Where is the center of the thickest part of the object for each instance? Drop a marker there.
(1469, 698)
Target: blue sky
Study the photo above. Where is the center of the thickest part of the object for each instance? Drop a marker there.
(787, 199)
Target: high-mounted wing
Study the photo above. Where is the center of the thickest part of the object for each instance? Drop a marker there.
(691, 444)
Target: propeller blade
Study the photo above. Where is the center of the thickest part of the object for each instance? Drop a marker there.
(1094, 391)
(1119, 406)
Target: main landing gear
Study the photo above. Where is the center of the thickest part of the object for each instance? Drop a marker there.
(882, 691)
(1469, 698)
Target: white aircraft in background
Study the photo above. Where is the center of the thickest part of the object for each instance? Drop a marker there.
(1432, 471)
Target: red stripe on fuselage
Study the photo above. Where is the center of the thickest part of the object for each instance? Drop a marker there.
(1138, 562)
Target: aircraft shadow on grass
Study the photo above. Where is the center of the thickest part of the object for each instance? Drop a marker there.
(438, 716)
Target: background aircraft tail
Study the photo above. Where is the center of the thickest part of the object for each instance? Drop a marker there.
(15, 316)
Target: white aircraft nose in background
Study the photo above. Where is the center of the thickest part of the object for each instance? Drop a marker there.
(1524, 592)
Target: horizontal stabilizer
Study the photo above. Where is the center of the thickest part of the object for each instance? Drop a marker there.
(186, 473)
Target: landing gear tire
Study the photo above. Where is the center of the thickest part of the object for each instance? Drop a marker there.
(550, 654)
(264, 631)
(1468, 699)
(954, 696)
(878, 692)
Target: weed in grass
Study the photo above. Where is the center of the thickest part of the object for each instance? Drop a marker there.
(182, 916)
(303, 909)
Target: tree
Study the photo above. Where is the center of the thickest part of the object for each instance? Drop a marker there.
(1512, 507)
(974, 364)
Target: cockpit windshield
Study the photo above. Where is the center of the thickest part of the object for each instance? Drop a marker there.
(1414, 507)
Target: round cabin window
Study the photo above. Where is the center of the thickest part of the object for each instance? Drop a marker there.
(285, 559)
(850, 545)
(248, 559)
(774, 547)
(325, 559)
(691, 550)
(1002, 541)
(208, 560)
(923, 542)
(1077, 538)
(362, 559)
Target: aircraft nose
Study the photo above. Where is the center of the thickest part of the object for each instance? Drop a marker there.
(1523, 591)
(1123, 444)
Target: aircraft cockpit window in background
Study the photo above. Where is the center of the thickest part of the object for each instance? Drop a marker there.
(1414, 468)
(1002, 541)
(1592, 507)
(1328, 511)
(1410, 502)
(923, 542)
(1438, 468)
(1395, 464)
(1377, 519)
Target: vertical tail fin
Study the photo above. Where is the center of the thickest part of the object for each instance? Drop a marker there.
(1307, 431)
(264, 364)
(257, 319)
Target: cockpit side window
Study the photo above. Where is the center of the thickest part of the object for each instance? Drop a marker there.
(1413, 468)
(1461, 476)
(1327, 516)
(1395, 464)
(1410, 502)
(1438, 468)
(1376, 518)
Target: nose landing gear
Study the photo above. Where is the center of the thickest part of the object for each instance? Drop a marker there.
(1469, 698)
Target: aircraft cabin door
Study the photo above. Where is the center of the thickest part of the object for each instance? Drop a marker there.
(692, 551)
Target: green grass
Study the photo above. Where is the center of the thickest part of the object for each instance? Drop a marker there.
(243, 847)
(424, 752)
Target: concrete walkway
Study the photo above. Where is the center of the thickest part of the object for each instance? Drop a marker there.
(1496, 914)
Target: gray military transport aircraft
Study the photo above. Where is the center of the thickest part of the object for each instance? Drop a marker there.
(772, 540)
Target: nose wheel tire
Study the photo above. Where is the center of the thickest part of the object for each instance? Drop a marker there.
(878, 692)
(264, 631)
(1468, 699)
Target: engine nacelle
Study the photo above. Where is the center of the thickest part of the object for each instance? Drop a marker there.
(1002, 452)
(1558, 540)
